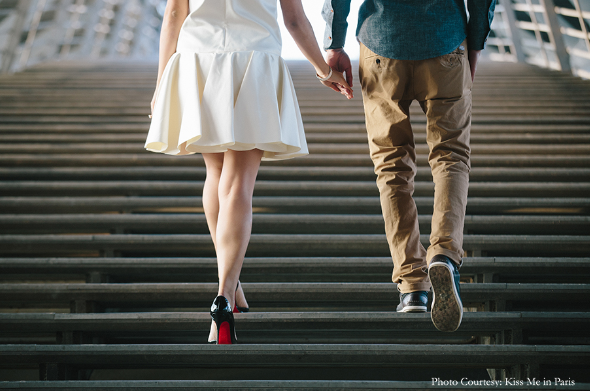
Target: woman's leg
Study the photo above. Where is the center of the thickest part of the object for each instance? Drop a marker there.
(242, 169)
(234, 221)
(214, 164)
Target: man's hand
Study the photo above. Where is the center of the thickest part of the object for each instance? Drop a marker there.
(338, 60)
(473, 56)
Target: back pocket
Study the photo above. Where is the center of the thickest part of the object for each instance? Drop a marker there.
(454, 58)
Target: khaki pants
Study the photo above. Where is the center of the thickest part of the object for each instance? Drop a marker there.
(442, 86)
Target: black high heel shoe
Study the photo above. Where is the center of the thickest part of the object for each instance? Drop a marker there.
(222, 315)
(237, 309)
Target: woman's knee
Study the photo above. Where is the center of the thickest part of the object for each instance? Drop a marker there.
(235, 188)
(239, 174)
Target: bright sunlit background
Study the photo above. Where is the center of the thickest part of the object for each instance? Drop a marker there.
(313, 10)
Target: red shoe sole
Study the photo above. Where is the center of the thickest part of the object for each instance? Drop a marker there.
(224, 338)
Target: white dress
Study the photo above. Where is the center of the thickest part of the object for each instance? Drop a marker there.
(227, 87)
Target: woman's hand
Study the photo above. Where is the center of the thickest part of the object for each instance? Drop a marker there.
(338, 83)
(300, 29)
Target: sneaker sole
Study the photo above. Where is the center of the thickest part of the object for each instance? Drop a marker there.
(414, 309)
(447, 309)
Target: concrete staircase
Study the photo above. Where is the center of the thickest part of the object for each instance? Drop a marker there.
(107, 268)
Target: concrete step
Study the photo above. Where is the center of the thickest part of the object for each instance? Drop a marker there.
(314, 98)
(325, 102)
(318, 245)
(299, 70)
(358, 160)
(32, 110)
(310, 128)
(521, 361)
(279, 269)
(332, 119)
(295, 327)
(306, 88)
(344, 138)
(282, 188)
(196, 223)
(308, 94)
(278, 204)
(478, 174)
(323, 296)
(360, 119)
(323, 148)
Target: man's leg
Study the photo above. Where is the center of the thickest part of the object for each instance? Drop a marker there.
(386, 85)
(444, 90)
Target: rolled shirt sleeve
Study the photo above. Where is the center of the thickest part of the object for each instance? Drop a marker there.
(481, 14)
(335, 13)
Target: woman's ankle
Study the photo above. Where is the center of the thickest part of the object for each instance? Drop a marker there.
(230, 296)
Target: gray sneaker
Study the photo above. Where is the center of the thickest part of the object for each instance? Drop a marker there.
(447, 309)
(413, 302)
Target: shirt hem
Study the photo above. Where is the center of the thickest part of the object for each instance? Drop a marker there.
(394, 56)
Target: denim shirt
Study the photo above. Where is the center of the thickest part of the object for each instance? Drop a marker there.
(411, 29)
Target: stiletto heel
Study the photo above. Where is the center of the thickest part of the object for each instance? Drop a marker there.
(223, 317)
(237, 308)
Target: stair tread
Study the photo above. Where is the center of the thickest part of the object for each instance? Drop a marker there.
(279, 244)
(363, 355)
(295, 294)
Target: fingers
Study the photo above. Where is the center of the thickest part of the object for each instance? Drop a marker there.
(347, 92)
(348, 72)
(337, 77)
(331, 85)
(342, 84)
(336, 86)
(345, 66)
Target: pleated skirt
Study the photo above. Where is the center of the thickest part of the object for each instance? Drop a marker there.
(213, 102)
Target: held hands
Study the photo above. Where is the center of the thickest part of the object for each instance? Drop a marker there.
(337, 83)
(339, 62)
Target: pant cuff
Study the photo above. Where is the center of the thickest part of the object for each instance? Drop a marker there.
(406, 287)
